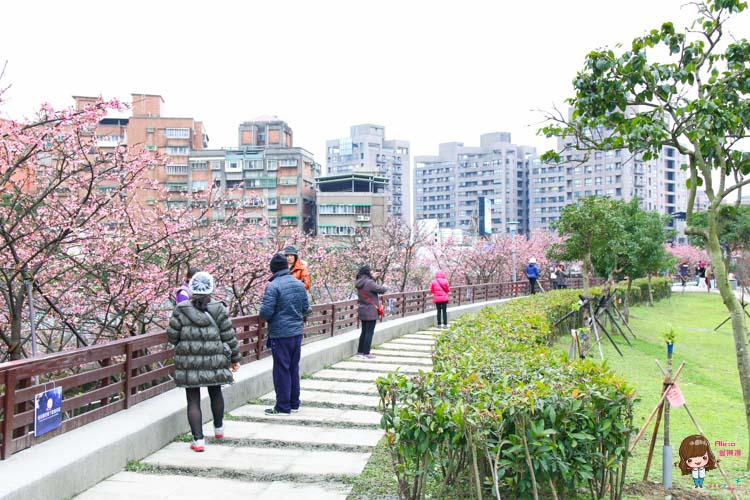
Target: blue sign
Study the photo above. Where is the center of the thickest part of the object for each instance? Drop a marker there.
(47, 411)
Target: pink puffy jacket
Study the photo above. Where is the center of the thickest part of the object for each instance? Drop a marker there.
(440, 288)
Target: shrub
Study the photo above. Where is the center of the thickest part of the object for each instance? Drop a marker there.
(501, 415)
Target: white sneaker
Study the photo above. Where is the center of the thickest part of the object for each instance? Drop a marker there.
(219, 432)
(198, 445)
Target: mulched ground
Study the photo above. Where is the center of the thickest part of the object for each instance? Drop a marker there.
(650, 490)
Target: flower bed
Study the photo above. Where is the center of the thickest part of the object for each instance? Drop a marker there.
(503, 415)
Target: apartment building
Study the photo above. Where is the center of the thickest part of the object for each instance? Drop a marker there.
(448, 186)
(258, 185)
(658, 183)
(146, 128)
(367, 151)
(351, 204)
(264, 179)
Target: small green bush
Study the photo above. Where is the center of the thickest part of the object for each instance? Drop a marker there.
(500, 415)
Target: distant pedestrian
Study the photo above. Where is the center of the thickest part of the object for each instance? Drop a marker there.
(440, 290)
(684, 269)
(284, 308)
(532, 273)
(700, 273)
(297, 266)
(367, 291)
(206, 353)
(183, 292)
(709, 274)
(561, 276)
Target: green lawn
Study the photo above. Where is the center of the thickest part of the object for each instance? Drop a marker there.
(709, 381)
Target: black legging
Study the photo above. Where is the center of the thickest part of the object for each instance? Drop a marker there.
(442, 307)
(194, 415)
(365, 338)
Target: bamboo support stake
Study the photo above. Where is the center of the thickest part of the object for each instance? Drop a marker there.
(700, 431)
(661, 400)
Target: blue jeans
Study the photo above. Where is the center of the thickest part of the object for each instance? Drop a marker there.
(699, 482)
(286, 353)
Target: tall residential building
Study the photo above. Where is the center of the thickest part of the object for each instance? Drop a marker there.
(367, 151)
(447, 187)
(146, 128)
(658, 183)
(265, 178)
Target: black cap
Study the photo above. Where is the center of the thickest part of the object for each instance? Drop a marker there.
(278, 262)
(290, 250)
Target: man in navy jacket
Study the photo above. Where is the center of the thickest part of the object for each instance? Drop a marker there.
(284, 308)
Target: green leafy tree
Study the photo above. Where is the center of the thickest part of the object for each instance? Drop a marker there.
(688, 90)
(637, 250)
(589, 228)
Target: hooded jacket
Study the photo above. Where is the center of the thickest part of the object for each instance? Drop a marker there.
(440, 288)
(532, 271)
(199, 346)
(284, 306)
(299, 270)
(367, 288)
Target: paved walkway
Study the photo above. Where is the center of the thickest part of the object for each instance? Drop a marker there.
(312, 454)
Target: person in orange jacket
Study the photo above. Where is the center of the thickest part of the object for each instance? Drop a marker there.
(297, 266)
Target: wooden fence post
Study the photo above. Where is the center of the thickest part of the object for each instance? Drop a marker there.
(128, 374)
(333, 319)
(104, 382)
(8, 410)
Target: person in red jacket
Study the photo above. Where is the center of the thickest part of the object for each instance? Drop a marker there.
(440, 290)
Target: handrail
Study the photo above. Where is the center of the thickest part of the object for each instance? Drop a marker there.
(102, 379)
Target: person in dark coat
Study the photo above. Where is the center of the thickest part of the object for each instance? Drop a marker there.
(440, 290)
(367, 292)
(561, 276)
(285, 307)
(206, 353)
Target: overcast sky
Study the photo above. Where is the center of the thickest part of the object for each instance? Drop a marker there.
(429, 71)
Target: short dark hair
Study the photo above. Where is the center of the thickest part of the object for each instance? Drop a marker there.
(192, 272)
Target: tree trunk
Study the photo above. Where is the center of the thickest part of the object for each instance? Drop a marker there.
(16, 325)
(586, 270)
(650, 294)
(735, 312)
(626, 305)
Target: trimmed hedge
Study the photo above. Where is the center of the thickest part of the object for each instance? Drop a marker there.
(501, 415)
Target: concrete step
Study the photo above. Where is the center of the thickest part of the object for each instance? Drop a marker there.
(279, 431)
(311, 415)
(380, 367)
(130, 485)
(261, 463)
(401, 352)
(395, 359)
(406, 347)
(331, 398)
(334, 386)
(411, 342)
(349, 375)
(419, 336)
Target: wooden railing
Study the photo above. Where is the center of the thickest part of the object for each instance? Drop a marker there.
(103, 379)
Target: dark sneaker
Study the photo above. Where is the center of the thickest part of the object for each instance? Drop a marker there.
(274, 411)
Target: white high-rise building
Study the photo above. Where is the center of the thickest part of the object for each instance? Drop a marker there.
(366, 150)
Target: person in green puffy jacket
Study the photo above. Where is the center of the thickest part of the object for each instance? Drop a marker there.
(206, 353)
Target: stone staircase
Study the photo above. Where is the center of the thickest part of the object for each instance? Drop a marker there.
(312, 454)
